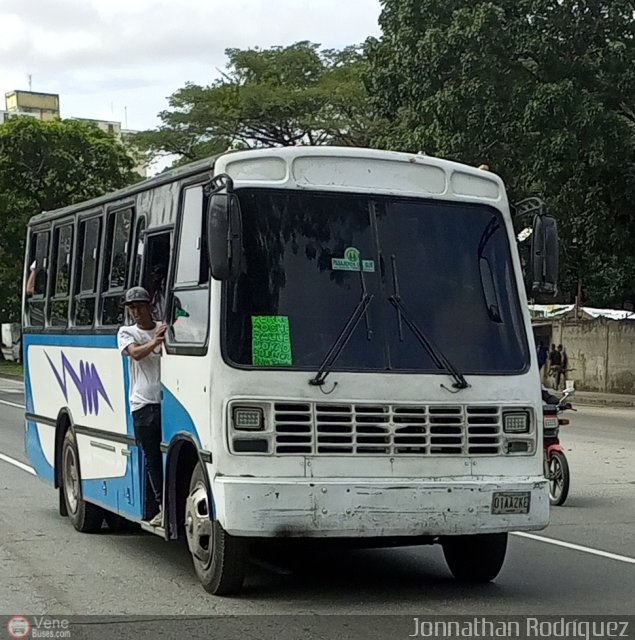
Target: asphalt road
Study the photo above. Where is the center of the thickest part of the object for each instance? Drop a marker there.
(47, 567)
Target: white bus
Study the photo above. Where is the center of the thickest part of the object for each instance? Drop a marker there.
(348, 355)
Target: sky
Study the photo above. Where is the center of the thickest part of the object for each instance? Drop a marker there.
(121, 59)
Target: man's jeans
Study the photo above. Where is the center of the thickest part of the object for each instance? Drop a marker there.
(147, 430)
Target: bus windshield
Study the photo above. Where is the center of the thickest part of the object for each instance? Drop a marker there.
(310, 257)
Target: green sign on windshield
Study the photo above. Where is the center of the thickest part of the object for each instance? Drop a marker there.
(351, 262)
(270, 341)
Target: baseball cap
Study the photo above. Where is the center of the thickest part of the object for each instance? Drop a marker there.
(136, 294)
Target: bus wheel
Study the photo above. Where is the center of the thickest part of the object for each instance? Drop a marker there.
(220, 560)
(475, 558)
(85, 517)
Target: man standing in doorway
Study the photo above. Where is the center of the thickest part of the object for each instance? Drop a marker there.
(141, 342)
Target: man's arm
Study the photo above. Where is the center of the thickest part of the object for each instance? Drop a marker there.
(30, 283)
(140, 351)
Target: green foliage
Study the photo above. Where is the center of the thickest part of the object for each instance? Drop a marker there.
(44, 166)
(540, 90)
(273, 97)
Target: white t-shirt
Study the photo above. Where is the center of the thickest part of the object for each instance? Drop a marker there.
(145, 374)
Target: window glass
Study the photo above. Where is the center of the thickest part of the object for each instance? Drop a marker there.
(138, 259)
(85, 312)
(190, 242)
(36, 312)
(59, 313)
(41, 262)
(190, 314)
(63, 260)
(112, 309)
(90, 251)
(119, 252)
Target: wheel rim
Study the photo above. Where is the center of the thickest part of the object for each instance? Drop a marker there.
(556, 478)
(71, 479)
(198, 526)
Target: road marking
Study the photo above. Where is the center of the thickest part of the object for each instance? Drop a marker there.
(11, 391)
(530, 536)
(12, 404)
(9, 381)
(18, 464)
(576, 547)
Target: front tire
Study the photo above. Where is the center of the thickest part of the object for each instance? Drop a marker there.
(475, 558)
(220, 560)
(86, 517)
(558, 478)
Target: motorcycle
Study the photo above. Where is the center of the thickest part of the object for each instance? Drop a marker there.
(555, 461)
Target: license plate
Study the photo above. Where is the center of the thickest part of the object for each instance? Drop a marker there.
(511, 502)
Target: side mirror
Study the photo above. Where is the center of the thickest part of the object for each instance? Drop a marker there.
(224, 231)
(544, 255)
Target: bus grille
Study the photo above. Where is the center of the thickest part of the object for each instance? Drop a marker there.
(392, 430)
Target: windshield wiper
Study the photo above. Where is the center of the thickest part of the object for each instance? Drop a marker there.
(435, 353)
(342, 340)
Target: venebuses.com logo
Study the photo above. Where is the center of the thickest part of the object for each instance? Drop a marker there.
(18, 627)
(38, 627)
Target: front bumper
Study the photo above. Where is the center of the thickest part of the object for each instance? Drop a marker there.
(353, 507)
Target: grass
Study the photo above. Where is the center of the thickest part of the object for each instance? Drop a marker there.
(11, 368)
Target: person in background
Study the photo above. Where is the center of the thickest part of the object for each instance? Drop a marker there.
(543, 354)
(564, 364)
(141, 343)
(156, 288)
(555, 362)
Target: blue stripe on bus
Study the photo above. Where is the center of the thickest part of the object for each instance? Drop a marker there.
(35, 453)
(175, 417)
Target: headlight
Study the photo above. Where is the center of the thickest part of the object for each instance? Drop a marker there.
(248, 419)
(550, 422)
(516, 422)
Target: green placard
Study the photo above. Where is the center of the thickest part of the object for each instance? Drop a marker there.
(270, 341)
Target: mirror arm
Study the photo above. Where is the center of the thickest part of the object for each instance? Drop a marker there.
(529, 207)
(218, 183)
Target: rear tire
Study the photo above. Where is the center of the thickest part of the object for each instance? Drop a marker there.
(220, 560)
(558, 478)
(475, 558)
(86, 517)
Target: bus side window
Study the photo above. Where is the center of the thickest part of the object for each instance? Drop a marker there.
(190, 301)
(36, 283)
(116, 267)
(86, 272)
(60, 282)
(138, 254)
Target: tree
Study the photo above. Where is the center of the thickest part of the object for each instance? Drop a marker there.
(540, 90)
(281, 96)
(44, 166)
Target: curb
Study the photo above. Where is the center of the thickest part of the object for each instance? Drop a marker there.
(603, 402)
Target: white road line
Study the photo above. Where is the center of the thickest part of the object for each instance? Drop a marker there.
(11, 382)
(18, 464)
(11, 391)
(576, 547)
(530, 536)
(12, 404)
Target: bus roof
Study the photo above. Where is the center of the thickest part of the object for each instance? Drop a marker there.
(192, 168)
(207, 164)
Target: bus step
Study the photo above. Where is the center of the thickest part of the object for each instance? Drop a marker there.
(158, 531)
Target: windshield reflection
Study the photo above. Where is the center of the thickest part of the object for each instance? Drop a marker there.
(303, 255)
